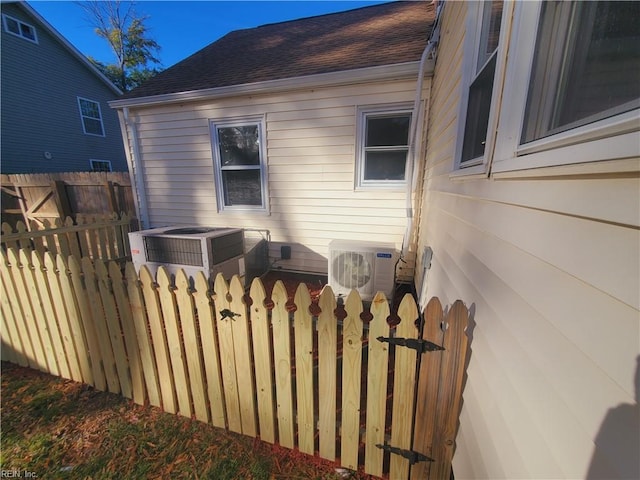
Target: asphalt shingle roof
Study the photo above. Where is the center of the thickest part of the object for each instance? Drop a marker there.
(384, 34)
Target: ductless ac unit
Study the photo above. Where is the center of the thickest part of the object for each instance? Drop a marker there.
(365, 266)
(210, 250)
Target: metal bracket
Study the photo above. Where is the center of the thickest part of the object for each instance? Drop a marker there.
(422, 346)
(413, 457)
(226, 313)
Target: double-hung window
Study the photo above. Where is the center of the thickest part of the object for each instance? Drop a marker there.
(19, 28)
(483, 39)
(578, 99)
(383, 146)
(240, 164)
(91, 117)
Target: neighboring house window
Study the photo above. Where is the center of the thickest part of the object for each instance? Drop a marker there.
(581, 92)
(483, 40)
(383, 145)
(19, 28)
(240, 164)
(91, 117)
(100, 165)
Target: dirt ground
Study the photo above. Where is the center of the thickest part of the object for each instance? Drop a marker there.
(55, 428)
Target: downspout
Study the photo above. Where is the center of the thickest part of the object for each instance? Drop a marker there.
(135, 170)
(416, 120)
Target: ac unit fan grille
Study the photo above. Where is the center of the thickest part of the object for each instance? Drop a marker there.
(182, 251)
(351, 270)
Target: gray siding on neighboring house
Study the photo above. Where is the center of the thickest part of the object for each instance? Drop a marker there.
(40, 86)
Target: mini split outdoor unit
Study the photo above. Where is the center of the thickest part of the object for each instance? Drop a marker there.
(364, 266)
(210, 250)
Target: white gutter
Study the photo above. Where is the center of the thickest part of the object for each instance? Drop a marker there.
(344, 77)
(135, 167)
(416, 120)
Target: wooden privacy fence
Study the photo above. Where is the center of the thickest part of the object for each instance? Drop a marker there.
(307, 375)
(103, 237)
(47, 196)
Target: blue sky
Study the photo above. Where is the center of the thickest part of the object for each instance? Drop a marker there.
(184, 27)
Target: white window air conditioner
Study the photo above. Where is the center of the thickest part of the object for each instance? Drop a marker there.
(194, 249)
(364, 266)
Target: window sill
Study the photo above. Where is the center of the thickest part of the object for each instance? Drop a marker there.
(623, 166)
(469, 173)
(603, 150)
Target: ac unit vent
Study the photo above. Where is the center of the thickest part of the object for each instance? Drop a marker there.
(206, 249)
(183, 251)
(364, 266)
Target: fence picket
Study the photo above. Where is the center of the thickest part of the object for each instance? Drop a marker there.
(227, 357)
(428, 380)
(139, 319)
(450, 389)
(242, 352)
(101, 328)
(159, 340)
(303, 330)
(75, 323)
(9, 316)
(38, 244)
(8, 230)
(191, 346)
(9, 272)
(281, 329)
(377, 373)
(262, 358)
(403, 387)
(72, 239)
(351, 375)
(113, 326)
(7, 349)
(28, 290)
(61, 315)
(327, 364)
(209, 338)
(89, 326)
(128, 332)
(174, 342)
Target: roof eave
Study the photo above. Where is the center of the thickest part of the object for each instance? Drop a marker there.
(344, 77)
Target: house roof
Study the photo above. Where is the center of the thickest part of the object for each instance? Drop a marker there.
(385, 34)
(28, 9)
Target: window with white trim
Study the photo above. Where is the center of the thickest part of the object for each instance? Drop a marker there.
(383, 146)
(100, 165)
(240, 164)
(483, 39)
(19, 28)
(91, 116)
(586, 66)
(573, 84)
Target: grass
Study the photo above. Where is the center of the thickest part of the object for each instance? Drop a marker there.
(60, 429)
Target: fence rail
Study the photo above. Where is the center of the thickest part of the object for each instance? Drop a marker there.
(307, 374)
(94, 236)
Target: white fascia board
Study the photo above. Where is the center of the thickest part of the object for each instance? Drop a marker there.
(345, 77)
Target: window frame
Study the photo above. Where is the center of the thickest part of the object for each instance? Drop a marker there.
(82, 117)
(363, 113)
(475, 21)
(20, 23)
(260, 122)
(95, 160)
(613, 138)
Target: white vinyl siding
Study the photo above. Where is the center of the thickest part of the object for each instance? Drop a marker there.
(550, 268)
(310, 155)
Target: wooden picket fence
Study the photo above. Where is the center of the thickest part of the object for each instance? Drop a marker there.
(306, 374)
(94, 236)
